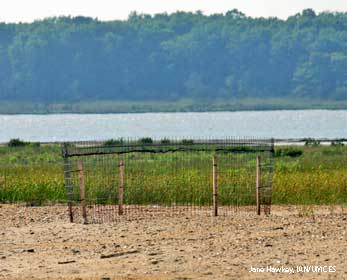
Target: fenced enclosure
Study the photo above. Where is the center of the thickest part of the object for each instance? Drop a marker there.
(133, 179)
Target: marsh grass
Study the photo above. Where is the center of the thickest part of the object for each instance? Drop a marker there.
(318, 175)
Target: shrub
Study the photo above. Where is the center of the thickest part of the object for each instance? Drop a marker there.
(146, 140)
(312, 142)
(187, 141)
(112, 142)
(288, 152)
(337, 143)
(16, 143)
(165, 141)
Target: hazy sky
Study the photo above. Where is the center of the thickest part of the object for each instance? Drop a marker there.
(29, 10)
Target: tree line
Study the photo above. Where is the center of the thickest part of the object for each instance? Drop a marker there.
(171, 57)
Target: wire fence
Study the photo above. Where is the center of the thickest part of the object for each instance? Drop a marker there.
(172, 177)
(134, 179)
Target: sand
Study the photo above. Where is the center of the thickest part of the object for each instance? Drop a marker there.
(40, 243)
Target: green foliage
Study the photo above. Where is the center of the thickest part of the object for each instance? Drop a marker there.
(113, 142)
(165, 141)
(318, 176)
(168, 58)
(288, 152)
(34, 144)
(146, 140)
(16, 143)
(187, 141)
(312, 142)
(19, 143)
(338, 143)
(31, 173)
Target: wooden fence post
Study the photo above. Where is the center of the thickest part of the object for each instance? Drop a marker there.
(67, 176)
(120, 187)
(215, 187)
(258, 184)
(82, 191)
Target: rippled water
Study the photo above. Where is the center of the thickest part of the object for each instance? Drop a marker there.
(277, 124)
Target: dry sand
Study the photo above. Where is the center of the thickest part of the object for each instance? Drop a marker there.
(40, 243)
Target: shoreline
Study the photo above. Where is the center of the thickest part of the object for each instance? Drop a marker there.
(177, 106)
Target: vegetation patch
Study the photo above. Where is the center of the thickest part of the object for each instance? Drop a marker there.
(315, 176)
(288, 152)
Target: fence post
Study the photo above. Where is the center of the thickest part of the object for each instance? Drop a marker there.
(82, 191)
(67, 176)
(258, 184)
(215, 187)
(120, 187)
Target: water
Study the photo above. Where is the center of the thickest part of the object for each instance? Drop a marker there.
(277, 124)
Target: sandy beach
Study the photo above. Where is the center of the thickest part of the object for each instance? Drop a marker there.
(40, 243)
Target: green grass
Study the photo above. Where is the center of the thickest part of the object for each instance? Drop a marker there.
(31, 174)
(319, 176)
(303, 175)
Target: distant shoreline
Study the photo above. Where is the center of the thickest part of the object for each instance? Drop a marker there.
(186, 105)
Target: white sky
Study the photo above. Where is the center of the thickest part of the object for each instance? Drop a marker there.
(29, 10)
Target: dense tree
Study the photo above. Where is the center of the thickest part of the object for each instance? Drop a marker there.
(169, 57)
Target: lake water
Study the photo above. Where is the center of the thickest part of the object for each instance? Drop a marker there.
(264, 124)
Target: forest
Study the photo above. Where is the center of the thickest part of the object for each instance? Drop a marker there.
(172, 57)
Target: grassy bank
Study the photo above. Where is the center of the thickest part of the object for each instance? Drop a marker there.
(319, 176)
(303, 175)
(184, 105)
